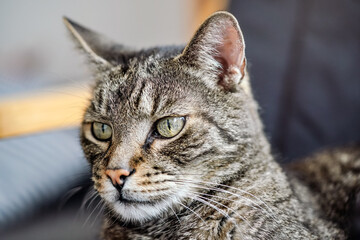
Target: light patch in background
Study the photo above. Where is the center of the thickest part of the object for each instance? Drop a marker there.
(35, 49)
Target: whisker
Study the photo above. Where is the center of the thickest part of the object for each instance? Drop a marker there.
(192, 211)
(224, 198)
(229, 199)
(243, 191)
(117, 217)
(91, 193)
(223, 205)
(219, 210)
(88, 218)
(88, 199)
(226, 191)
(100, 211)
(68, 195)
(175, 215)
(210, 205)
(243, 218)
(95, 195)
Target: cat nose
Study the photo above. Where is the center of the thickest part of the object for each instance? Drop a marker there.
(118, 176)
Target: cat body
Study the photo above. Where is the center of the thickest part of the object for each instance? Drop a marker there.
(177, 148)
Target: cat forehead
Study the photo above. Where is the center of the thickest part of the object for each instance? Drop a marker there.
(156, 65)
(142, 76)
(142, 90)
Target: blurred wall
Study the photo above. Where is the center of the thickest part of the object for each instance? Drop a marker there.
(35, 49)
(304, 63)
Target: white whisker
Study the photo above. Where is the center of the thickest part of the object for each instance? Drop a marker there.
(192, 211)
(198, 184)
(175, 215)
(212, 206)
(68, 195)
(88, 218)
(224, 198)
(99, 212)
(241, 217)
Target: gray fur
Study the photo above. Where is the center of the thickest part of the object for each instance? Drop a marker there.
(215, 180)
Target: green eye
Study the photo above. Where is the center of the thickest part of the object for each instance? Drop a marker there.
(170, 126)
(101, 131)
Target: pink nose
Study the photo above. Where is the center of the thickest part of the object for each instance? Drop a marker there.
(117, 175)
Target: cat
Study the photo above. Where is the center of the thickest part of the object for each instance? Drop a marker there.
(177, 148)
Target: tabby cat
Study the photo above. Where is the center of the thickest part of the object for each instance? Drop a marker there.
(177, 149)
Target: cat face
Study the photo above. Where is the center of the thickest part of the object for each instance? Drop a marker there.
(164, 119)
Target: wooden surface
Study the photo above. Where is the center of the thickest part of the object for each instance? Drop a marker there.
(36, 112)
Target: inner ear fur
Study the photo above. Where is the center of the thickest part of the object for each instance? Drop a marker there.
(218, 47)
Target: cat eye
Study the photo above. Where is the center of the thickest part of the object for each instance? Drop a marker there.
(170, 126)
(101, 131)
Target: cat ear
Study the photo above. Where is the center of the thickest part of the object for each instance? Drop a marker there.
(101, 50)
(218, 48)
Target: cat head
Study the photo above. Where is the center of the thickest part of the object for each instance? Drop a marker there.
(162, 121)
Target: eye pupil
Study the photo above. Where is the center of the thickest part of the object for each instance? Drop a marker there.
(168, 124)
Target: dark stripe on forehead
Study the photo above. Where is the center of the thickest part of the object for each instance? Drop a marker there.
(109, 107)
(92, 106)
(156, 104)
(139, 94)
(129, 90)
(120, 96)
(99, 98)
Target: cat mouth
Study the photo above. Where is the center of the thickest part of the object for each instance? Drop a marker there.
(135, 202)
(131, 205)
(127, 201)
(138, 210)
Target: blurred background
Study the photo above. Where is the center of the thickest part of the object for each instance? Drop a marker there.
(304, 63)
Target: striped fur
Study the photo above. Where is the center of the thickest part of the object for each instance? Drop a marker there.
(216, 179)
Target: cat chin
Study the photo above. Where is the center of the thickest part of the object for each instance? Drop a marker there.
(144, 212)
(140, 212)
